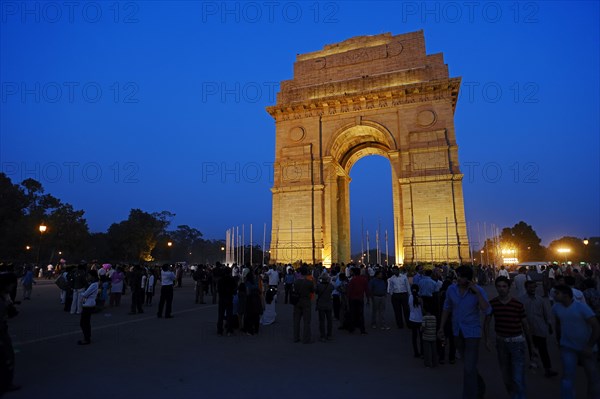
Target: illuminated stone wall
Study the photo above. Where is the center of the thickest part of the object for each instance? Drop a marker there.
(367, 95)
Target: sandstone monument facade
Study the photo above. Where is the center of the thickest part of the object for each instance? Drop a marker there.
(367, 95)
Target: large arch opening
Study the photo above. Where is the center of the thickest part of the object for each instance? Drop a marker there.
(363, 239)
(371, 210)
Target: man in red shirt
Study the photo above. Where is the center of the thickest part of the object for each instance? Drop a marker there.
(511, 330)
(358, 289)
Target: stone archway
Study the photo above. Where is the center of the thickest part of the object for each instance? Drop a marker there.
(367, 95)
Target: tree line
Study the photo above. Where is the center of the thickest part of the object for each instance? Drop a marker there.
(142, 237)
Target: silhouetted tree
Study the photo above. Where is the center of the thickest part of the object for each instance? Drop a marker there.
(134, 239)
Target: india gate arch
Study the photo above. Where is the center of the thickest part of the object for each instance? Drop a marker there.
(368, 95)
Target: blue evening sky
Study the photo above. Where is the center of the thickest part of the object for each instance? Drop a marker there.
(161, 106)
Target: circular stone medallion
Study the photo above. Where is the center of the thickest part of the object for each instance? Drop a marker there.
(426, 118)
(296, 133)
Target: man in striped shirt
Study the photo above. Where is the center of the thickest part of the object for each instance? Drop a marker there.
(511, 331)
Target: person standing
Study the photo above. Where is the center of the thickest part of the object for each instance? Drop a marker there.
(378, 290)
(135, 278)
(88, 298)
(200, 277)
(416, 319)
(358, 289)
(428, 337)
(427, 289)
(8, 281)
(273, 278)
(511, 332)
(577, 331)
(545, 280)
(465, 301)
(503, 272)
(539, 319)
(520, 280)
(226, 287)
(399, 288)
(150, 287)
(449, 336)
(325, 307)
(288, 282)
(27, 281)
(116, 286)
(253, 304)
(79, 283)
(302, 310)
(179, 275)
(167, 279)
(341, 286)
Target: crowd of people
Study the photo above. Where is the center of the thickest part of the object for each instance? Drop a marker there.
(442, 306)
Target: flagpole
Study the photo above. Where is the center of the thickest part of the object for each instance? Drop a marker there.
(368, 255)
(377, 246)
(430, 240)
(251, 243)
(227, 247)
(362, 241)
(414, 242)
(264, 243)
(487, 256)
(470, 246)
(447, 243)
(378, 237)
(397, 244)
(387, 252)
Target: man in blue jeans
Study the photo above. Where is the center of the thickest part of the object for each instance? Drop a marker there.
(577, 331)
(464, 302)
(512, 332)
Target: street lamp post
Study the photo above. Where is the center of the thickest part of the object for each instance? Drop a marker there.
(42, 229)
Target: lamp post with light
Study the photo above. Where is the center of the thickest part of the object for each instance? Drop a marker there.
(42, 228)
(169, 245)
(585, 249)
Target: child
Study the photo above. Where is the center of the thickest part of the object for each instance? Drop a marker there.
(269, 314)
(428, 329)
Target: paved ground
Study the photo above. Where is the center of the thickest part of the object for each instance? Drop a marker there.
(141, 356)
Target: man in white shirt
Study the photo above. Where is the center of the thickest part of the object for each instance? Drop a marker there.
(167, 278)
(503, 272)
(273, 275)
(519, 282)
(399, 289)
